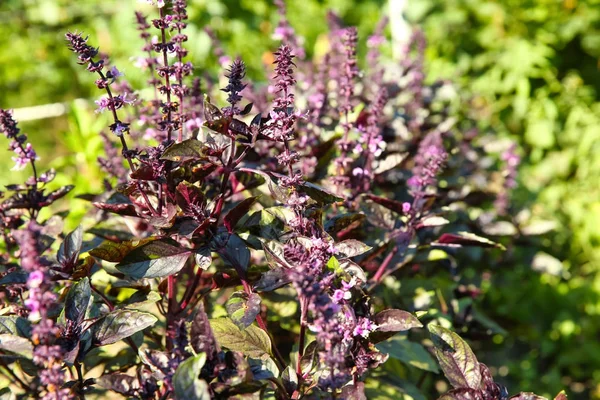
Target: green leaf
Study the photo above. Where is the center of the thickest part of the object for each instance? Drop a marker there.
(410, 353)
(77, 300)
(17, 345)
(252, 341)
(70, 247)
(191, 149)
(153, 260)
(187, 382)
(120, 324)
(456, 358)
(352, 247)
(243, 308)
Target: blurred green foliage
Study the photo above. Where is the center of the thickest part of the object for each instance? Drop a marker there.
(530, 69)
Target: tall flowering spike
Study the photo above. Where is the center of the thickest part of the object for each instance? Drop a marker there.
(350, 68)
(181, 69)
(371, 143)
(283, 117)
(511, 164)
(429, 162)
(374, 43)
(284, 77)
(47, 354)
(85, 52)
(25, 154)
(235, 74)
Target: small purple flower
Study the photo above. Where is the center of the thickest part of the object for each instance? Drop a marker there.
(364, 327)
(406, 207)
(24, 156)
(103, 104)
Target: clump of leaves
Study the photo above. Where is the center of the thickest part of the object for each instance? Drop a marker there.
(247, 255)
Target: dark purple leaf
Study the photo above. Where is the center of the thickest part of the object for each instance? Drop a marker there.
(116, 252)
(396, 321)
(274, 253)
(318, 194)
(237, 212)
(393, 205)
(352, 247)
(344, 222)
(527, 396)
(70, 247)
(188, 150)
(77, 301)
(236, 253)
(145, 173)
(272, 279)
(354, 391)
(120, 324)
(155, 259)
(17, 276)
(120, 209)
(201, 335)
(243, 308)
(120, 383)
(465, 239)
(247, 109)
(189, 198)
(456, 358)
(57, 194)
(463, 394)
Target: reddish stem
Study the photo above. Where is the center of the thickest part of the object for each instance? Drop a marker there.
(384, 264)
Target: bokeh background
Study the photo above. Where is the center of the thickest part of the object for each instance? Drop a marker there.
(531, 72)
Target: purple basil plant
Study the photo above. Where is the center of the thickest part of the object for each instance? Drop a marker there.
(243, 249)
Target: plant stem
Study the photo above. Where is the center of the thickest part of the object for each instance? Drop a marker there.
(302, 338)
(384, 265)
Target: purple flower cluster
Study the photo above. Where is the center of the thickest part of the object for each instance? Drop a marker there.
(370, 144)
(429, 161)
(86, 54)
(47, 354)
(25, 154)
(235, 74)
